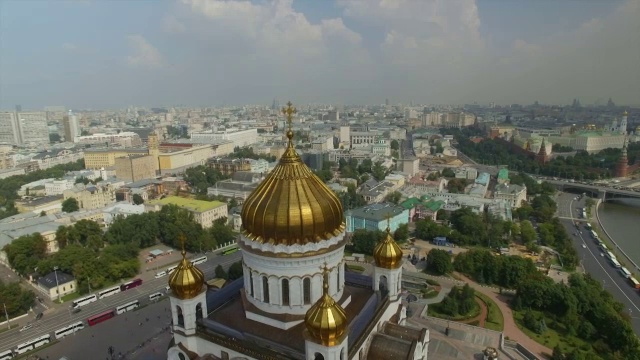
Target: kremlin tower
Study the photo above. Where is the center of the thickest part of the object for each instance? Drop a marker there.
(542, 154)
(622, 167)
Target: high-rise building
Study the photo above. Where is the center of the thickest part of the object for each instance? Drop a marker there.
(9, 130)
(71, 127)
(33, 127)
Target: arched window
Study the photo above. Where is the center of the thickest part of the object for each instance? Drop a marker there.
(382, 284)
(251, 282)
(306, 290)
(285, 291)
(265, 289)
(318, 356)
(199, 311)
(180, 316)
(342, 354)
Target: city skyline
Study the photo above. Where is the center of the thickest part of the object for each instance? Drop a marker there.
(91, 54)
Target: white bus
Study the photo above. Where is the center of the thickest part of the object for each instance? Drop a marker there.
(199, 260)
(6, 355)
(170, 269)
(33, 343)
(155, 296)
(108, 292)
(610, 255)
(615, 262)
(626, 273)
(68, 330)
(84, 301)
(127, 307)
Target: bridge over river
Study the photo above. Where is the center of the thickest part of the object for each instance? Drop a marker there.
(601, 192)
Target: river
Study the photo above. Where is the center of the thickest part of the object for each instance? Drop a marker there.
(621, 218)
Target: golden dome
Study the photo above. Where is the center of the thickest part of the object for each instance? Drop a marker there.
(625, 113)
(292, 205)
(326, 320)
(186, 280)
(387, 253)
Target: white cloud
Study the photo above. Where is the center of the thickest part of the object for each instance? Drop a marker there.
(144, 54)
(172, 25)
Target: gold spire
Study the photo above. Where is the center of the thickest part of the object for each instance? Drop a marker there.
(186, 280)
(387, 253)
(326, 320)
(292, 205)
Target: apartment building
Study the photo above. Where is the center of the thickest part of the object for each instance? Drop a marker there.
(104, 158)
(178, 161)
(124, 139)
(204, 212)
(240, 138)
(136, 167)
(228, 166)
(91, 196)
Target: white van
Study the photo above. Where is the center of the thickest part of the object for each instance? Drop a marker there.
(155, 296)
(161, 274)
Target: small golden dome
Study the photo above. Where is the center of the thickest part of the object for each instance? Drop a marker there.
(387, 253)
(326, 320)
(625, 113)
(186, 280)
(292, 205)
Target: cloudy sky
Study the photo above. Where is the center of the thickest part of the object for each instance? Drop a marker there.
(100, 54)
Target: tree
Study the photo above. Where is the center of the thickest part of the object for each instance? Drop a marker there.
(24, 253)
(395, 145)
(220, 273)
(15, 299)
(527, 232)
(365, 241)
(448, 173)
(137, 199)
(402, 233)
(235, 270)
(439, 262)
(70, 205)
(393, 197)
(55, 137)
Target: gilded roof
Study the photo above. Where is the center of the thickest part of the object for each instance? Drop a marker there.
(387, 254)
(292, 206)
(326, 320)
(186, 280)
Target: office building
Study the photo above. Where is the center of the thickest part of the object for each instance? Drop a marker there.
(91, 196)
(96, 159)
(204, 212)
(240, 138)
(9, 130)
(71, 127)
(136, 167)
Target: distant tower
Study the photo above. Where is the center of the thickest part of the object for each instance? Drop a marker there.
(622, 167)
(154, 148)
(542, 154)
(623, 124)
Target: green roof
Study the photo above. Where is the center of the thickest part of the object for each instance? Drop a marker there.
(410, 203)
(503, 174)
(189, 204)
(434, 205)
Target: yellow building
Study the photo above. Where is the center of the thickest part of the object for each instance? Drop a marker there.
(103, 158)
(48, 204)
(92, 196)
(136, 167)
(180, 160)
(57, 284)
(204, 212)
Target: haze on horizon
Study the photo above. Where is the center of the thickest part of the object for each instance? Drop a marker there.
(105, 54)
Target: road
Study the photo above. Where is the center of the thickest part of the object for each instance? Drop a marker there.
(61, 315)
(593, 260)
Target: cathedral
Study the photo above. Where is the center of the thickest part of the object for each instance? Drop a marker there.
(295, 300)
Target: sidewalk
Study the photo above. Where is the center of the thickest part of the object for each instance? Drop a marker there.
(510, 328)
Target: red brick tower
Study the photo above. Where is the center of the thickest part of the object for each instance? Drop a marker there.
(622, 167)
(542, 154)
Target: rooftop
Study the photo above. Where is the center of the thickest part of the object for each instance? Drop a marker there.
(503, 174)
(377, 212)
(189, 204)
(49, 281)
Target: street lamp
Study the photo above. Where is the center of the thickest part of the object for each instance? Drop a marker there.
(7, 315)
(55, 271)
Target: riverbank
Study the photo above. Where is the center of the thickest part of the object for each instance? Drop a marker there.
(596, 223)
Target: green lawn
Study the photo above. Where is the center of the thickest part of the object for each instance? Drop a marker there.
(494, 320)
(70, 297)
(357, 268)
(554, 335)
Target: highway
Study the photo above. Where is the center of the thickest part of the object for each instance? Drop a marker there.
(593, 260)
(62, 316)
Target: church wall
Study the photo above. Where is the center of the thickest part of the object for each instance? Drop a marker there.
(295, 270)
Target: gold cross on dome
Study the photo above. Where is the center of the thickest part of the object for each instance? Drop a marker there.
(183, 240)
(388, 217)
(289, 111)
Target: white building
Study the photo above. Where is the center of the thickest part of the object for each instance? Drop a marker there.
(240, 138)
(511, 193)
(121, 209)
(57, 187)
(33, 127)
(124, 139)
(9, 129)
